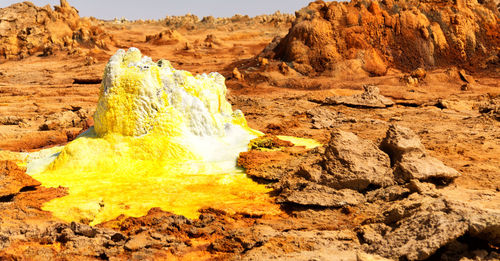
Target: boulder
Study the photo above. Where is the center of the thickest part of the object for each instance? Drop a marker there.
(410, 160)
(416, 227)
(354, 163)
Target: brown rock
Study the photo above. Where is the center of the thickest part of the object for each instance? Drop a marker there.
(491, 108)
(373, 63)
(370, 98)
(212, 40)
(263, 62)
(268, 142)
(355, 163)
(466, 78)
(410, 159)
(311, 194)
(138, 242)
(419, 74)
(66, 119)
(399, 141)
(11, 120)
(420, 225)
(323, 118)
(286, 70)
(424, 168)
(274, 165)
(13, 179)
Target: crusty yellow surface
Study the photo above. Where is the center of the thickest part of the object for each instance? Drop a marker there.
(308, 143)
(117, 175)
(162, 138)
(156, 142)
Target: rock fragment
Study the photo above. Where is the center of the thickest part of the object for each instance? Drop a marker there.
(323, 118)
(237, 74)
(370, 98)
(11, 120)
(312, 194)
(138, 242)
(420, 225)
(465, 77)
(66, 119)
(354, 163)
(419, 74)
(491, 108)
(410, 160)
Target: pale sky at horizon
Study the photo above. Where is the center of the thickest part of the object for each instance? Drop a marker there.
(156, 9)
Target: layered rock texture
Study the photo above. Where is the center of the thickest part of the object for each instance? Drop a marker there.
(396, 185)
(26, 29)
(370, 36)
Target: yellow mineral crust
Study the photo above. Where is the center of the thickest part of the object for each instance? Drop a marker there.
(162, 138)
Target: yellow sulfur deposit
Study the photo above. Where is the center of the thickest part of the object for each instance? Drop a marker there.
(162, 138)
(308, 143)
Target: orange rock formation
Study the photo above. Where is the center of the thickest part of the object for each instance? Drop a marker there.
(26, 29)
(370, 36)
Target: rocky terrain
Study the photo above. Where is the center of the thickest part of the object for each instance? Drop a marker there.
(371, 36)
(26, 30)
(404, 96)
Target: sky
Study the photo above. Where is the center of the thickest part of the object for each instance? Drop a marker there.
(156, 9)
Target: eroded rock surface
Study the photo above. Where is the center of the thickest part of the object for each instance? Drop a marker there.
(416, 227)
(370, 98)
(13, 179)
(313, 194)
(412, 219)
(370, 36)
(166, 37)
(26, 29)
(491, 108)
(355, 163)
(410, 159)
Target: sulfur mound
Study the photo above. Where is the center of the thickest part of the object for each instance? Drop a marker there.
(162, 138)
(26, 29)
(367, 37)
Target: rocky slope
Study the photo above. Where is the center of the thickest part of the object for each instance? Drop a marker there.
(368, 37)
(26, 29)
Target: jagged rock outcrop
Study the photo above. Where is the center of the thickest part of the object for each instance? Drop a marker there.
(26, 29)
(370, 36)
(166, 37)
(191, 21)
(410, 159)
(354, 163)
(411, 218)
(416, 227)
